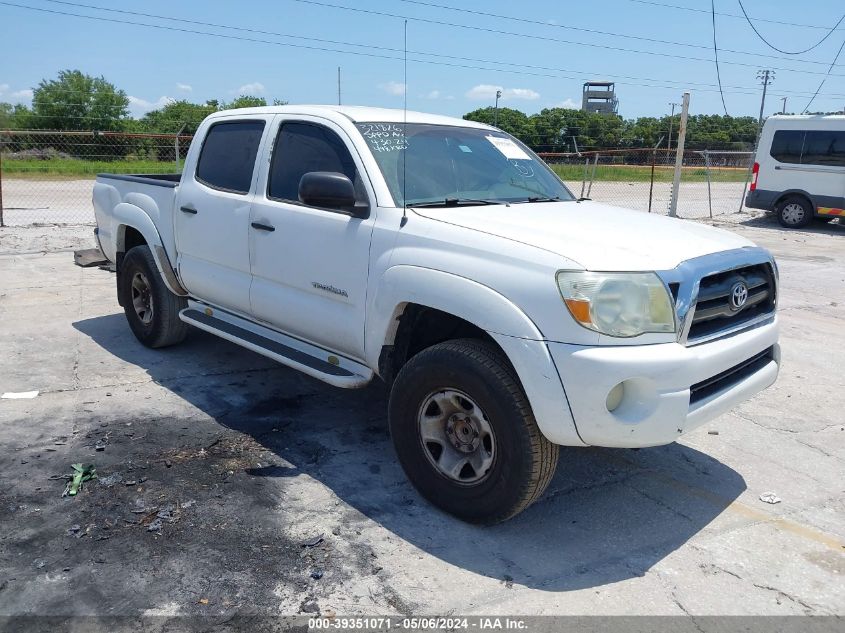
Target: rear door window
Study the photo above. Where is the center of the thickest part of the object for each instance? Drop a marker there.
(824, 147)
(228, 155)
(787, 145)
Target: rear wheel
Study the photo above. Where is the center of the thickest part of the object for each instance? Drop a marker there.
(465, 434)
(151, 309)
(794, 212)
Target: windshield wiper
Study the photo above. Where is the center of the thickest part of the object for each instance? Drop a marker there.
(539, 199)
(451, 202)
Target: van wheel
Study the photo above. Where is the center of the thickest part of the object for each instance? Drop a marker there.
(794, 212)
(151, 309)
(465, 434)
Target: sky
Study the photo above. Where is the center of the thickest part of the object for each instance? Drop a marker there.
(538, 53)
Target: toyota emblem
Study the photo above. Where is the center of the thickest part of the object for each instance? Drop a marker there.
(739, 295)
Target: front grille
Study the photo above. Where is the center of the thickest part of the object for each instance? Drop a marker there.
(730, 377)
(713, 312)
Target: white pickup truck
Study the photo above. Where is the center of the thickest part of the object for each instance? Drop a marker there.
(444, 257)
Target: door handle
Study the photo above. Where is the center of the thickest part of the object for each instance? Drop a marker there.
(263, 227)
(190, 210)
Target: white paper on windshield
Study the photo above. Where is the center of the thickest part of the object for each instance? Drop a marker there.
(510, 149)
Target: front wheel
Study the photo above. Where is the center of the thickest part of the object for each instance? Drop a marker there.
(465, 434)
(151, 309)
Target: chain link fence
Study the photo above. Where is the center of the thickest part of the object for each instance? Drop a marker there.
(712, 182)
(47, 177)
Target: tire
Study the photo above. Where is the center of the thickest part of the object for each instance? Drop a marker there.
(467, 394)
(151, 309)
(794, 212)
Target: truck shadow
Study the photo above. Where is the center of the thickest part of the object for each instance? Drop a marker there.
(769, 221)
(608, 515)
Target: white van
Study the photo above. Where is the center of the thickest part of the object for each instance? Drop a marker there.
(799, 170)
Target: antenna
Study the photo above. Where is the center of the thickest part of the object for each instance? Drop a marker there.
(404, 132)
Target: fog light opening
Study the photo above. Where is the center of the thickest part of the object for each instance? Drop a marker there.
(614, 398)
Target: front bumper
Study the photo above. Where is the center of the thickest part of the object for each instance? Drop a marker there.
(655, 407)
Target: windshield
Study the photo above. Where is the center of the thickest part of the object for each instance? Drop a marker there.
(431, 164)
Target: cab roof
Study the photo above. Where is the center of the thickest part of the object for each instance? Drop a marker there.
(356, 114)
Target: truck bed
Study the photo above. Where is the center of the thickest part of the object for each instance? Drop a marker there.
(158, 180)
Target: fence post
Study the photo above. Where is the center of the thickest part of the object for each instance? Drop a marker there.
(593, 175)
(651, 186)
(584, 177)
(176, 144)
(707, 169)
(679, 156)
(1, 183)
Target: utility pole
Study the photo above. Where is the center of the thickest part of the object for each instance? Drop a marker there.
(765, 77)
(338, 85)
(496, 110)
(784, 104)
(671, 120)
(679, 156)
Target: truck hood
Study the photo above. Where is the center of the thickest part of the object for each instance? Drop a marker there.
(596, 236)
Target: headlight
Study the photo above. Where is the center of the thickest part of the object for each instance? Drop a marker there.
(618, 304)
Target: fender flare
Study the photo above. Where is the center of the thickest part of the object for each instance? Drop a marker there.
(462, 297)
(129, 215)
(795, 192)
(518, 336)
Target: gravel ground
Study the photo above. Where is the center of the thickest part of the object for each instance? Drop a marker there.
(231, 485)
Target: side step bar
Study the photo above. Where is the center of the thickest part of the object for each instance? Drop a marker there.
(292, 352)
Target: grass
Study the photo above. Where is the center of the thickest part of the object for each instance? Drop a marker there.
(72, 169)
(642, 173)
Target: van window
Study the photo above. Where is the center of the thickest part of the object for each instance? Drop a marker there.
(786, 146)
(810, 147)
(824, 147)
(228, 155)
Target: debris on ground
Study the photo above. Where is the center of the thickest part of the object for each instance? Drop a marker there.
(110, 480)
(770, 497)
(317, 574)
(20, 395)
(155, 526)
(314, 542)
(712, 432)
(81, 474)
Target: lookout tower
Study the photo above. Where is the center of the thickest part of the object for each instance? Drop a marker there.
(600, 97)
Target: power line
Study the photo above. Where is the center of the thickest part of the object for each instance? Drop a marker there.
(586, 30)
(521, 68)
(550, 39)
(716, 54)
(666, 5)
(838, 53)
(775, 48)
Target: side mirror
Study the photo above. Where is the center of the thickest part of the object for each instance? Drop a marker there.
(330, 190)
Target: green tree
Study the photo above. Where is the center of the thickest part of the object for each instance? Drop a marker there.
(511, 121)
(76, 101)
(245, 101)
(177, 115)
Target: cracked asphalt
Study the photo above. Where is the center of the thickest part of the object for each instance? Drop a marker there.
(231, 485)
